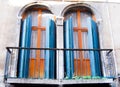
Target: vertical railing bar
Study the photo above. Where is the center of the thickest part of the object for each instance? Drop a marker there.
(108, 59)
(110, 64)
(76, 64)
(77, 60)
(44, 64)
(15, 61)
(39, 73)
(29, 63)
(94, 60)
(35, 66)
(11, 63)
(85, 63)
(53, 59)
(7, 65)
(80, 64)
(58, 64)
(104, 59)
(87, 60)
(88, 65)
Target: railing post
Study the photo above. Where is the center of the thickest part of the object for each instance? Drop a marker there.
(7, 65)
(13, 63)
(59, 39)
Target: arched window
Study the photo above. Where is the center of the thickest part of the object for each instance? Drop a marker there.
(37, 31)
(81, 32)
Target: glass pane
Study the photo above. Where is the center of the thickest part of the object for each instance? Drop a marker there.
(73, 15)
(85, 44)
(33, 44)
(43, 40)
(84, 16)
(34, 18)
(75, 38)
(45, 17)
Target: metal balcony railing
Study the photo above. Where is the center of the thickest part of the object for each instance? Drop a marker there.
(37, 65)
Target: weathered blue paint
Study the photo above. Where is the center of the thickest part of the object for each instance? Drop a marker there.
(67, 52)
(50, 54)
(24, 54)
(22, 51)
(47, 53)
(91, 53)
(28, 41)
(96, 46)
(71, 46)
(20, 45)
(68, 41)
(21, 29)
(64, 30)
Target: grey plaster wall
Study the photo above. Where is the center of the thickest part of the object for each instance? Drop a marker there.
(115, 27)
(108, 18)
(8, 32)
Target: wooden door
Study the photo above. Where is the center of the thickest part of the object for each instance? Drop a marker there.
(36, 66)
(81, 64)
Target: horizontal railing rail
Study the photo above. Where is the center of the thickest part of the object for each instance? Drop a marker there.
(8, 48)
(39, 66)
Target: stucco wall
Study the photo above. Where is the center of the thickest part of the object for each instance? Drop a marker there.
(114, 15)
(107, 17)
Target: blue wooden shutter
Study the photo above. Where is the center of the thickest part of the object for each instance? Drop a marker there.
(50, 54)
(94, 44)
(68, 44)
(24, 54)
(91, 53)
(28, 41)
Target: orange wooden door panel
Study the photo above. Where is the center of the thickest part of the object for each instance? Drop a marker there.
(36, 67)
(32, 68)
(82, 67)
(36, 70)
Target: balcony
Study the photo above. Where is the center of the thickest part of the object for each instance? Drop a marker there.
(38, 70)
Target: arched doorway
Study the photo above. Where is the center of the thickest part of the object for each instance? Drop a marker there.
(37, 31)
(81, 32)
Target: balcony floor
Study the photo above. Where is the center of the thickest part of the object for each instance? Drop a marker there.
(58, 82)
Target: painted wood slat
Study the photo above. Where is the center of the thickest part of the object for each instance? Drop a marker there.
(47, 53)
(52, 52)
(67, 53)
(24, 54)
(28, 41)
(69, 56)
(22, 51)
(71, 46)
(91, 53)
(96, 46)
